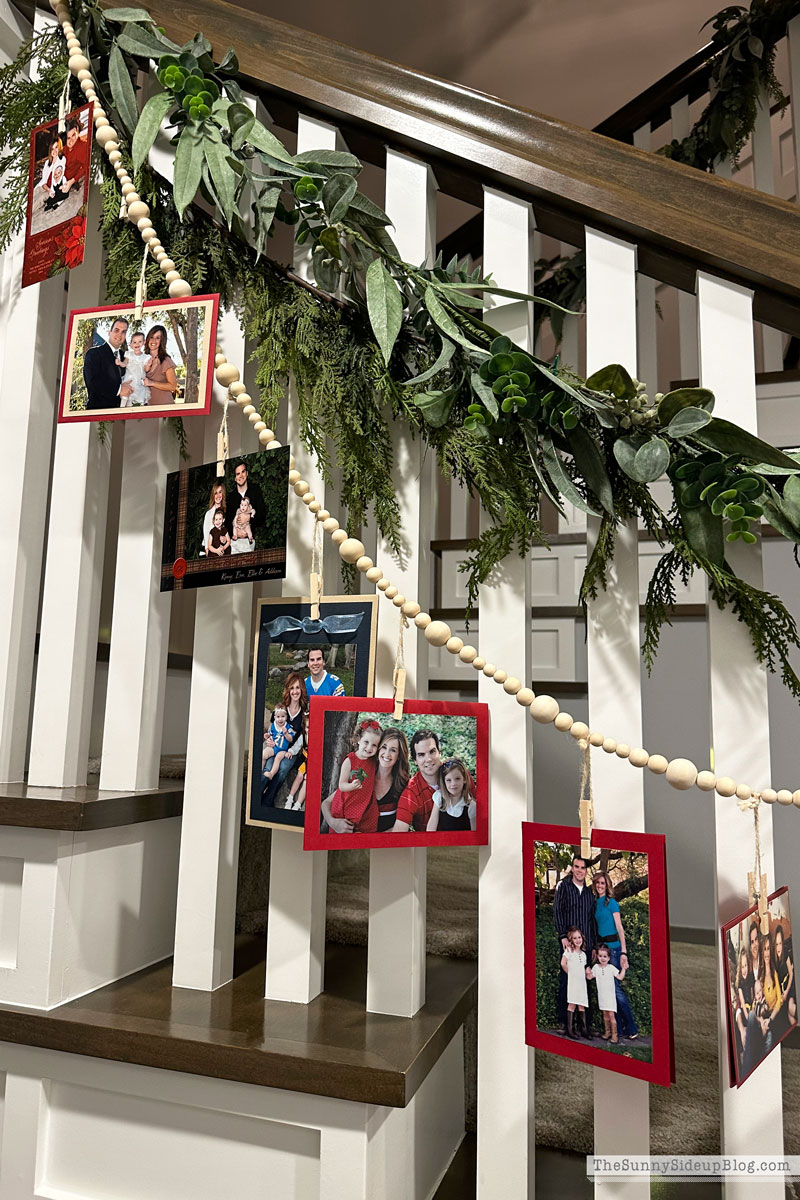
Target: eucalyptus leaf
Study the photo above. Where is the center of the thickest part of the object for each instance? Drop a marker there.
(651, 461)
(122, 92)
(728, 438)
(384, 306)
(260, 137)
(614, 379)
(229, 64)
(337, 195)
(233, 91)
(326, 273)
(687, 421)
(340, 159)
(561, 479)
(149, 123)
(189, 158)
(671, 404)
(625, 454)
(221, 172)
(790, 501)
(703, 532)
(447, 352)
(441, 317)
(144, 43)
(240, 121)
(368, 213)
(484, 394)
(529, 432)
(776, 515)
(435, 407)
(589, 461)
(128, 14)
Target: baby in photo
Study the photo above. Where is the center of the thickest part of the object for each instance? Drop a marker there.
(243, 541)
(277, 740)
(135, 363)
(604, 974)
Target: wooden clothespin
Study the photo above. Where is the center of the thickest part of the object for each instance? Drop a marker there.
(399, 684)
(586, 828)
(315, 588)
(586, 801)
(315, 578)
(141, 287)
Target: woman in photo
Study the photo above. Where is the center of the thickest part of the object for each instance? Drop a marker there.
(608, 923)
(454, 800)
(391, 777)
(52, 175)
(295, 700)
(216, 503)
(784, 969)
(160, 374)
(764, 1019)
(754, 942)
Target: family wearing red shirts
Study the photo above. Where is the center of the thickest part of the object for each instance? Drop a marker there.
(377, 793)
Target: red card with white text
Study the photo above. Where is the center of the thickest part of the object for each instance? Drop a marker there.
(58, 186)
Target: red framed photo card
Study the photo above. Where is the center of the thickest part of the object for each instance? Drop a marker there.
(58, 187)
(597, 962)
(118, 366)
(761, 990)
(377, 783)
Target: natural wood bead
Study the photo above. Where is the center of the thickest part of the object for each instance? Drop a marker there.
(87, 85)
(390, 592)
(438, 633)
(399, 600)
(767, 795)
(300, 489)
(609, 745)
(78, 62)
(351, 550)
(323, 514)
(374, 574)
(137, 210)
(489, 669)
(564, 722)
(383, 583)
(468, 654)
(784, 797)
(454, 645)
(172, 277)
(114, 156)
(338, 536)
(681, 774)
(308, 498)
(330, 524)
(583, 744)
(657, 764)
(179, 288)
(148, 236)
(726, 786)
(226, 374)
(411, 609)
(250, 410)
(270, 434)
(128, 191)
(364, 563)
(273, 445)
(83, 75)
(512, 685)
(294, 477)
(264, 439)
(596, 739)
(706, 781)
(257, 424)
(237, 389)
(168, 265)
(796, 799)
(155, 247)
(578, 729)
(500, 676)
(220, 358)
(622, 750)
(544, 709)
(525, 697)
(292, 465)
(314, 506)
(478, 663)
(99, 114)
(422, 620)
(638, 757)
(743, 792)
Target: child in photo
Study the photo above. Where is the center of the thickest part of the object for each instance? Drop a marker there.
(219, 542)
(276, 743)
(53, 175)
(135, 363)
(453, 801)
(243, 542)
(354, 799)
(605, 973)
(573, 963)
(297, 792)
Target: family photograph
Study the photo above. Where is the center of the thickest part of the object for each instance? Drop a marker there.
(416, 776)
(226, 522)
(118, 366)
(593, 980)
(762, 992)
(58, 185)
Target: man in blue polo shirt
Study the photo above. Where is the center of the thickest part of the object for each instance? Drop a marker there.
(320, 682)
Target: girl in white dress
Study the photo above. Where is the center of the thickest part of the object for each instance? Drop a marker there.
(134, 364)
(573, 962)
(605, 973)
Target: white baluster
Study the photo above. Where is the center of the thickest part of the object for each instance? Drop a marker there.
(298, 879)
(621, 1107)
(208, 869)
(505, 1067)
(397, 880)
(751, 1115)
(67, 658)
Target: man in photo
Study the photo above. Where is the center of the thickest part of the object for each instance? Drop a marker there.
(320, 682)
(573, 908)
(415, 803)
(76, 153)
(102, 371)
(244, 489)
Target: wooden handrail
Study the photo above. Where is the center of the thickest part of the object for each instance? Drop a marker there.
(653, 105)
(680, 219)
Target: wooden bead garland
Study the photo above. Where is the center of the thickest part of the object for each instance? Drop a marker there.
(578, 729)
(438, 633)
(681, 774)
(351, 550)
(544, 709)
(707, 781)
(784, 797)
(638, 757)
(564, 722)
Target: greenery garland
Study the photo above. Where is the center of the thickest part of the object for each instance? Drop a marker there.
(409, 343)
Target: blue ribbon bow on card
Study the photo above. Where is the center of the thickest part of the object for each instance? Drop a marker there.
(336, 628)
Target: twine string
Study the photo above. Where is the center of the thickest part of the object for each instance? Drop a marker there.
(141, 285)
(399, 677)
